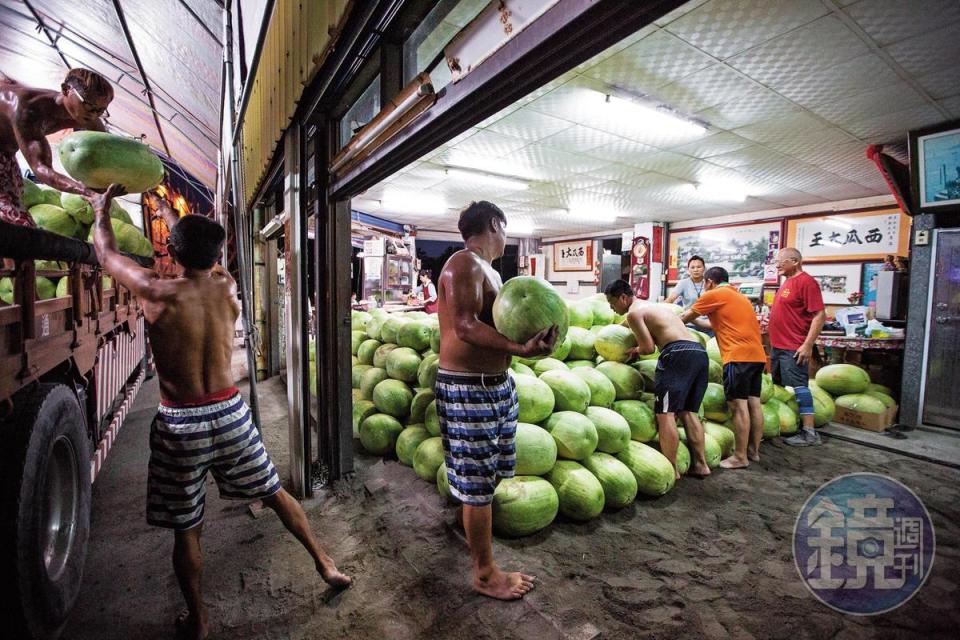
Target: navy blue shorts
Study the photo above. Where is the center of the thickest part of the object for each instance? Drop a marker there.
(478, 423)
(786, 372)
(681, 377)
(742, 380)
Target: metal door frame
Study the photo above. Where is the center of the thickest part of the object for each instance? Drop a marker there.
(922, 396)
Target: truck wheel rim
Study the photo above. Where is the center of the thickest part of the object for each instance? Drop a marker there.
(60, 517)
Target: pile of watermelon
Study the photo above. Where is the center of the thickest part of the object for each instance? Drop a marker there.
(586, 436)
(50, 279)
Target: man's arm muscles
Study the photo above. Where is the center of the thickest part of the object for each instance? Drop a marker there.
(36, 151)
(466, 303)
(645, 343)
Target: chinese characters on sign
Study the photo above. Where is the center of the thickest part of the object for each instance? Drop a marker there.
(573, 256)
(852, 236)
(864, 544)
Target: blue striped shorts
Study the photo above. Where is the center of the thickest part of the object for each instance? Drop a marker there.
(478, 422)
(186, 443)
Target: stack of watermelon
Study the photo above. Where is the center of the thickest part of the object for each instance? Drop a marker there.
(584, 423)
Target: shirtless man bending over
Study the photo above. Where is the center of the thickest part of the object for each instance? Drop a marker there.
(202, 424)
(476, 398)
(682, 372)
(28, 116)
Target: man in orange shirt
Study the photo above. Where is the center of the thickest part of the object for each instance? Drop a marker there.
(738, 335)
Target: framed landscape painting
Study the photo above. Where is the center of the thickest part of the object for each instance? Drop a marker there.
(742, 249)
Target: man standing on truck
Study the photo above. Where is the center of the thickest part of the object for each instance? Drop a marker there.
(203, 423)
(28, 116)
(476, 399)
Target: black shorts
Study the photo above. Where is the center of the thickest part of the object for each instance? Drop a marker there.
(742, 380)
(681, 378)
(786, 372)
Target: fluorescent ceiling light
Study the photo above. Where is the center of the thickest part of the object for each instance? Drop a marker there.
(519, 228)
(410, 202)
(490, 179)
(653, 118)
(725, 191)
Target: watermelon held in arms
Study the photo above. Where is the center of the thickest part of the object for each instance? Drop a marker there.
(528, 305)
(100, 159)
(523, 505)
(614, 341)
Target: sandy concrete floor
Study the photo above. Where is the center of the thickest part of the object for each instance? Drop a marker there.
(711, 559)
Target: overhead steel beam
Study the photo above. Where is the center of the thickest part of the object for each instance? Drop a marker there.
(43, 27)
(143, 73)
(201, 22)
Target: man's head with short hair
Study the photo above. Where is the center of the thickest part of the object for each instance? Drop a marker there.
(789, 261)
(196, 242)
(695, 267)
(86, 95)
(484, 221)
(619, 296)
(715, 276)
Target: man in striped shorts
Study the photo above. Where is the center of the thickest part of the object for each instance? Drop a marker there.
(203, 425)
(476, 398)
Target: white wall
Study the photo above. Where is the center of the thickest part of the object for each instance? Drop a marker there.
(786, 212)
(561, 278)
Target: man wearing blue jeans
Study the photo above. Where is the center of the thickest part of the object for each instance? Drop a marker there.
(795, 322)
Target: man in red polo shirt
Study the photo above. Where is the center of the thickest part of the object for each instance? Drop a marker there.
(795, 322)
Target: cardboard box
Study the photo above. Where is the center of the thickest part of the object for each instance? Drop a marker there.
(870, 421)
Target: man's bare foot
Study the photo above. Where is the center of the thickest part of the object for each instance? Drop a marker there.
(503, 586)
(753, 454)
(733, 462)
(333, 577)
(191, 629)
(699, 470)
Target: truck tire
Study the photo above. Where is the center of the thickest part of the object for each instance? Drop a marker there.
(45, 511)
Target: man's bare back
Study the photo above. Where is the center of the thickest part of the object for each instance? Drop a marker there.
(191, 333)
(467, 274)
(664, 325)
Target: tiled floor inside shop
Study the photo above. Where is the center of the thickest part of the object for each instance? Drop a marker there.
(712, 559)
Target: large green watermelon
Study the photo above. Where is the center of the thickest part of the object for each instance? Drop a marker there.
(523, 505)
(712, 450)
(427, 458)
(654, 473)
(78, 207)
(379, 433)
(880, 388)
(548, 364)
(374, 326)
(370, 379)
(100, 159)
(771, 418)
(626, 380)
(581, 314)
(788, 419)
(367, 349)
(362, 409)
(713, 351)
(580, 493)
(715, 372)
(380, 355)
(359, 320)
(535, 397)
(391, 328)
(427, 371)
(574, 433)
(356, 339)
(431, 419)
(443, 483)
(32, 195)
(882, 397)
(647, 369)
(683, 458)
(418, 407)
(614, 342)
(842, 379)
(723, 436)
(639, 416)
(613, 431)
(393, 398)
(766, 387)
(602, 313)
(823, 407)
(536, 450)
(582, 343)
(570, 392)
(519, 367)
(526, 305)
(129, 238)
(580, 364)
(54, 219)
(714, 400)
(356, 374)
(861, 402)
(618, 482)
(602, 391)
(415, 335)
(562, 350)
(408, 441)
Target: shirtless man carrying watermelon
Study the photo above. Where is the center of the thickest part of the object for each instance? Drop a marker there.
(28, 116)
(476, 398)
(203, 423)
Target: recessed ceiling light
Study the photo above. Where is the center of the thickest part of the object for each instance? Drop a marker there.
(648, 116)
(519, 228)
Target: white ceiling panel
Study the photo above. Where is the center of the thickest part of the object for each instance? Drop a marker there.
(790, 93)
(890, 21)
(724, 28)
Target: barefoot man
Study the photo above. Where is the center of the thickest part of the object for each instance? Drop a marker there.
(476, 399)
(738, 335)
(28, 116)
(202, 424)
(682, 372)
